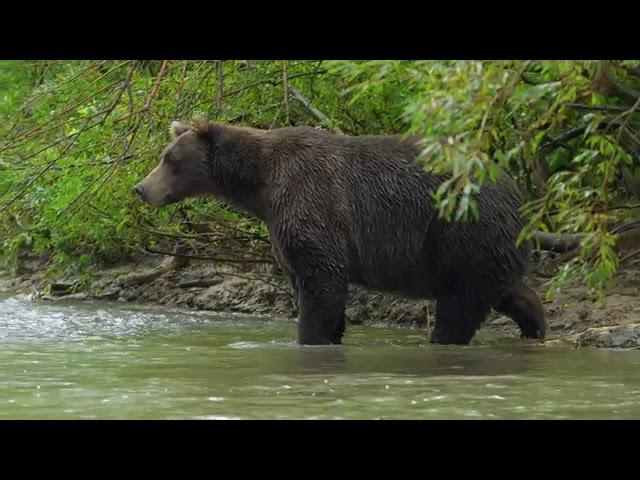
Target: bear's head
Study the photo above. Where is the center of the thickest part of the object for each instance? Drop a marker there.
(185, 168)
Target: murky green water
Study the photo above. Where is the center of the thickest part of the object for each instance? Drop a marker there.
(112, 361)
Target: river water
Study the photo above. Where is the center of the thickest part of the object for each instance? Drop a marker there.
(99, 360)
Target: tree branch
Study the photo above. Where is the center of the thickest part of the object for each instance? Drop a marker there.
(210, 257)
(563, 139)
(603, 108)
(558, 243)
(316, 113)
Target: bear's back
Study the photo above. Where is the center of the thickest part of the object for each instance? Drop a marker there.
(373, 188)
(369, 186)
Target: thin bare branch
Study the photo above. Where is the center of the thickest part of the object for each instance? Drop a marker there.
(37, 131)
(285, 88)
(44, 170)
(210, 257)
(219, 91)
(316, 113)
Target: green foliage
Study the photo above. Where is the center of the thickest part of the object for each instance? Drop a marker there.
(476, 116)
(77, 136)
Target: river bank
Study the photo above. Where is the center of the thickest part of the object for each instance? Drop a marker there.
(574, 319)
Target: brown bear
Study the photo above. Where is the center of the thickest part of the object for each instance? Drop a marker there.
(357, 209)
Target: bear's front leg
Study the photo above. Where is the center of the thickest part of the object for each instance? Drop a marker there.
(283, 265)
(318, 267)
(321, 318)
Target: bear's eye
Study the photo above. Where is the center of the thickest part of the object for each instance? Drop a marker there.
(171, 162)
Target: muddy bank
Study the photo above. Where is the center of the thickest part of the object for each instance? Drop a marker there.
(574, 319)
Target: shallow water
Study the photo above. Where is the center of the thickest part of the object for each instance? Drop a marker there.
(88, 360)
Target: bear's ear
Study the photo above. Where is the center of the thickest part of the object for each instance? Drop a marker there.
(178, 128)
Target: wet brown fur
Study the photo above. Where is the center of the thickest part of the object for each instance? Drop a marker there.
(344, 209)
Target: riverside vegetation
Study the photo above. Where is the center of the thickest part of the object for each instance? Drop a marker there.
(76, 136)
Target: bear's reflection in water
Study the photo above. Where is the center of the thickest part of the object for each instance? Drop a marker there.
(413, 361)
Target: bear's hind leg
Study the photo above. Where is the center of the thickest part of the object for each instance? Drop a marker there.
(457, 320)
(522, 304)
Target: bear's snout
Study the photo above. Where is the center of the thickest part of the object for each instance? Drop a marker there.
(150, 194)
